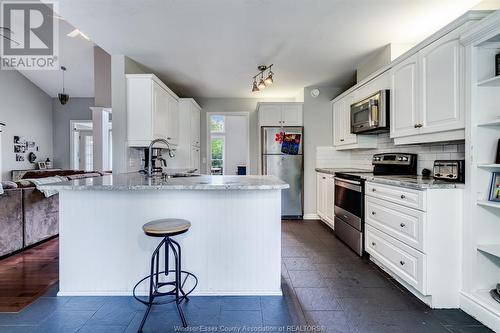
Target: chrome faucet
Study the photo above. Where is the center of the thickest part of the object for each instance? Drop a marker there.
(150, 153)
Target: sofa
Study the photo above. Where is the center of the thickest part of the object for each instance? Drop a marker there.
(27, 217)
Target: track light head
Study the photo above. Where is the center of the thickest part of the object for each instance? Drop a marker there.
(261, 85)
(255, 88)
(269, 79)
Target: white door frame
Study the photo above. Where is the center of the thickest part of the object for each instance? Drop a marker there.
(209, 146)
(72, 142)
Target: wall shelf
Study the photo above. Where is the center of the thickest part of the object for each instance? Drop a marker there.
(495, 122)
(487, 203)
(491, 82)
(493, 249)
(488, 166)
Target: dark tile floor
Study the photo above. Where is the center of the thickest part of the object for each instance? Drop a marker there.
(324, 284)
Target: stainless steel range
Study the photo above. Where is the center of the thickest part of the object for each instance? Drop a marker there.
(350, 195)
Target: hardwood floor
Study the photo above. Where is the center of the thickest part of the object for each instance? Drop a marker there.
(27, 275)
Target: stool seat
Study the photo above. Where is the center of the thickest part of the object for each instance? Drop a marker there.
(166, 227)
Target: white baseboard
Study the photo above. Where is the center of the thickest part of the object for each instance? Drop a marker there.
(480, 310)
(141, 293)
(311, 217)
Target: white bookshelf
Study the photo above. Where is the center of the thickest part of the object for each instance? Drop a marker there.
(481, 229)
(493, 122)
(491, 82)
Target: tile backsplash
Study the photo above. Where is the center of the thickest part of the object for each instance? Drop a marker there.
(427, 153)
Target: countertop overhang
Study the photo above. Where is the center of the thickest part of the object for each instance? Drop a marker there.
(137, 181)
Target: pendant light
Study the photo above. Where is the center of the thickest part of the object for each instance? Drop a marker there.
(63, 98)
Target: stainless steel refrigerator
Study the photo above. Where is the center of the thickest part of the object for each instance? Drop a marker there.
(287, 167)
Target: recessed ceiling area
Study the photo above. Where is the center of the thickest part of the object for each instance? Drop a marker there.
(213, 48)
(77, 55)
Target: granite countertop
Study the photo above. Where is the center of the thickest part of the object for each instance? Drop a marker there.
(411, 182)
(136, 181)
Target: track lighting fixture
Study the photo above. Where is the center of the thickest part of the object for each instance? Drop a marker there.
(263, 83)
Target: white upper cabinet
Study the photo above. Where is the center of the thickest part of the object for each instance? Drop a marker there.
(152, 111)
(404, 111)
(441, 73)
(292, 114)
(342, 136)
(280, 114)
(426, 94)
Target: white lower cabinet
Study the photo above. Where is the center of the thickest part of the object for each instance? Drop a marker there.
(325, 192)
(415, 236)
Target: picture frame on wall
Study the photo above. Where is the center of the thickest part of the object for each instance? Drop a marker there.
(495, 187)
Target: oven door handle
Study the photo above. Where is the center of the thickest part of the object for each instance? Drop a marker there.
(349, 184)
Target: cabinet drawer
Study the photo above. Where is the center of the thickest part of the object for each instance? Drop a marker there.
(408, 263)
(403, 196)
(404, 224)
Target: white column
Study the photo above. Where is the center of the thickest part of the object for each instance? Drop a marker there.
(100, 129)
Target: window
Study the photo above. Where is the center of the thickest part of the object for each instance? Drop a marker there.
(217, 144)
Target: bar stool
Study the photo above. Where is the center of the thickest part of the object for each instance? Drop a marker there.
(166, 228)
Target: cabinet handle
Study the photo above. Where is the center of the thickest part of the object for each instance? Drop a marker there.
(373, 190)
(403, 196)
(324, 177)
(169, 138)
(402, 225)
(341, 140)
(373, 213)
(402, 263)
(416, 125)
(373, 243)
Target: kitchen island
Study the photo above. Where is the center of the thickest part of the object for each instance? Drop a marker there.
(233, 245)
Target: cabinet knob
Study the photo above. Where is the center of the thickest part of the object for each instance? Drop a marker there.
(416, 125)
(373, 243)
(341, 140)
(324, 177)
(402, 225)
(402, 263)
(373, 213)
(169, 138)
(373, 190)
(403, 196)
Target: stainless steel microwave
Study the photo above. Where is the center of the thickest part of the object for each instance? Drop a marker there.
(371, 114)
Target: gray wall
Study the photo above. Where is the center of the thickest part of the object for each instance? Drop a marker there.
(318, 131)
(27, 112)
(222, 105)
(102, 77)
(75, 109)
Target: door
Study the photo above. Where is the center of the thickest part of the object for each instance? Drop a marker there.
(441, 85)
(195, 125)
(86, 151)
(288, 168)
(195, 158)
(330, 201)
(320, 194)
(172, 120)
(160, 112)
(404, 110)
(270, 114)
(349, 138)
(292, 115)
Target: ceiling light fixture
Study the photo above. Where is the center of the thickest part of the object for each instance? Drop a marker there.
(63, 98)
(76, 33)
(263, 83)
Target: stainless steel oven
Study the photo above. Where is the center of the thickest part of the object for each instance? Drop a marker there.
(349, 210)
(371, 114)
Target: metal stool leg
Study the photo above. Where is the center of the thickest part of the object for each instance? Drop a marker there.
(181, 284)
(153, 281)
(177, 281)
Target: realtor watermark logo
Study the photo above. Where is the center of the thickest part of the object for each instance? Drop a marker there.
(29, 33)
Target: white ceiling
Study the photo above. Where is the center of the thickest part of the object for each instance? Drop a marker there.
(77, 55)
(212, 48)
